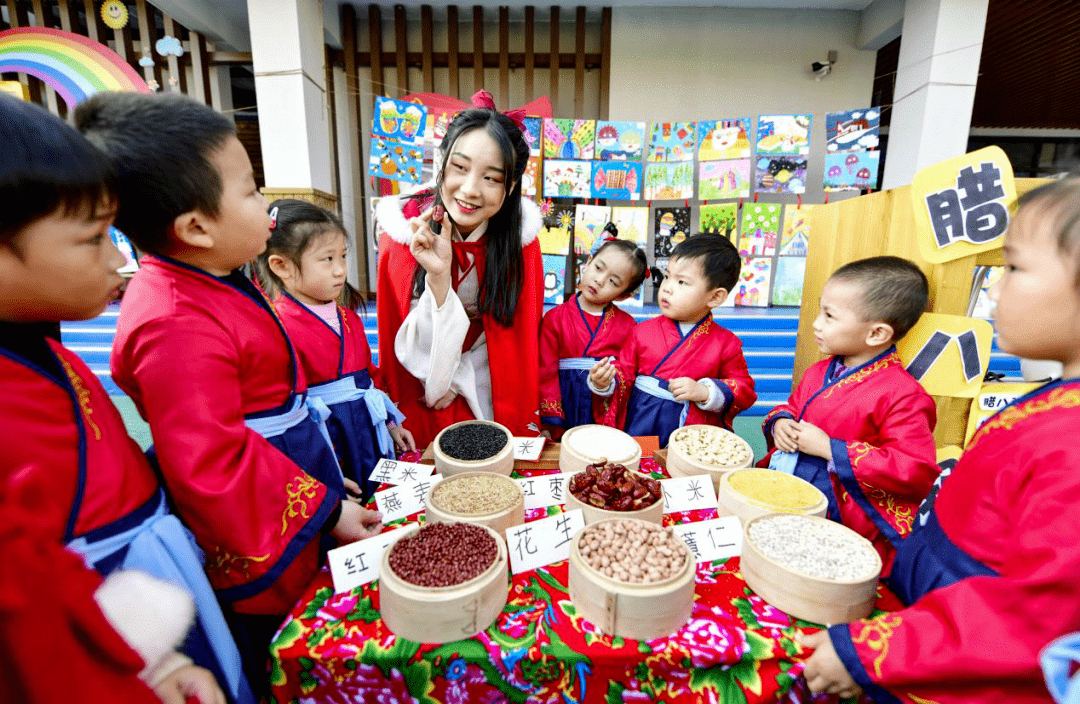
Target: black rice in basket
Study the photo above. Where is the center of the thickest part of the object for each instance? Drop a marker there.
(473, 441)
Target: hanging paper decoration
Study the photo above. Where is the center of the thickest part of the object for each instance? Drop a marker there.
(780, 174)
(851, 171)
(724, 179)
(760, 226)
(719, 219)
(669, 181)
(114, 14)
(399, 120)
(567, 179)
(672, 226)
(554, 236)
(619, 141)
(852, 130)
(788, 281)
(569, 139)
(752, 288)
(589, 221)
(396, 161)
(724, 139)
(672, 141)
(795, 239)
(619, 180)
(533, 134)
(783, 134)
(554, 278)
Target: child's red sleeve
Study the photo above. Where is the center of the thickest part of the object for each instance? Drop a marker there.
(735, 383)
(551, 409)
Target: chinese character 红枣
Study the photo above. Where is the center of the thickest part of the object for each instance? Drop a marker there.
(352, 567)
(527, 487)
(556, 485)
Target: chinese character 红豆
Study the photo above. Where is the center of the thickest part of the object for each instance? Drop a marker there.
(527, 487)
(556, 485)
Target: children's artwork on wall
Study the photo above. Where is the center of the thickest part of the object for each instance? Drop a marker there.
(788, 281)
(753, 286)
(671, 226)
(589, 221)
(554, 278)
(852, 130)
(399, 120)
(719, 218)
(395, 160)
(760, 226)
(795, 239)
(567, 179)
(780, 174)
(672, 141)
(724, 139)
(437, 123)
(669, 181)
(569, 139)
(659, 268)
(533, 133)
(530, 180)
(558, 226)
(619, 141)
(783, 134)
(851, 171)
(632, 221)
(724, 179)
(619, 180)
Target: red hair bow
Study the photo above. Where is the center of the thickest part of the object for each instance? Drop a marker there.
(484, 100)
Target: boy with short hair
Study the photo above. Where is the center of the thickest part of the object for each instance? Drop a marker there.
(209, 366)
(680, 368)
(858, 426)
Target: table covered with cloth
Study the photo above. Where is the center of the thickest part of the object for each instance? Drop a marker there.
(334, 648)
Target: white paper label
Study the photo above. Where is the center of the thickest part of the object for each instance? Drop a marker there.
(543, 542)
(406, 499)
(688, 493)
(528, 449)
(358, 563)
(544, 490)
(995, 402)
(712, 540)
(397, 473)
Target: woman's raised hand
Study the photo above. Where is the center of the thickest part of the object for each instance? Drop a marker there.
(432, 251)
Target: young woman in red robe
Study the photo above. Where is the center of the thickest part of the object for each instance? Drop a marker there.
(461, 284)
(991, 574)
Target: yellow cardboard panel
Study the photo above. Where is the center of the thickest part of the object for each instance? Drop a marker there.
(948, 354)
(992, 398)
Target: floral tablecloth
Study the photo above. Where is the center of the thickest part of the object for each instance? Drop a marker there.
(334, 648)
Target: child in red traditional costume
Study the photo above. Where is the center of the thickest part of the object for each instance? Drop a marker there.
(991, 573)
(208, 363)
(95, 492)
(680, 368)
(305, 265)
(586, 328)
(858, 426)
(461, 284)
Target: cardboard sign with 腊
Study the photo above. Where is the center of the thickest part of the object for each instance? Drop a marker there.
(947, 354)
(991, 399)
(962, 205)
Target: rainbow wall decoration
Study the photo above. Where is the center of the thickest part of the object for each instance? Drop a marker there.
(74, 66)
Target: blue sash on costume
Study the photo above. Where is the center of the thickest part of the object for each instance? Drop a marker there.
(300, 433)
(576, 396)
(358, 413)
(1058, 661)
(652, 410)
(153, 541)
(784, 462)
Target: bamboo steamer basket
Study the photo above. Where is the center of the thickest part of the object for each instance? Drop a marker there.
(498, 521)
(444, 614)
(640, 611)
(825, 601)
(573, 458)
(501, 463)
(680, 464)
(651, 514)
(731, 502)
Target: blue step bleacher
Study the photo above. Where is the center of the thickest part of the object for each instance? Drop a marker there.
(767, 334)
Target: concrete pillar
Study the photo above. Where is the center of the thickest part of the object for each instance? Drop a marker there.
(290, 87)
(935, 85)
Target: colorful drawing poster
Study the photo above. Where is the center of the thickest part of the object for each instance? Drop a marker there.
(533, 134)
(780, 174)
(672, 141)
(669, 181)
(724, 139)
(530, 180)
(632, 222)
(437, 123)
(396, 161)
(753, 286)
(719, 219)
(399, 120)
(795, 239)
(724, 179)
(760, 226)
(851, 130)
(783, 134)
(567, 179)
(589, 221)
(558, 226)
(672, 226)
(619, 141)
(618, 180)
(659, 269)
(569, 139)
(554, 278)
(851, 171)
(788, 281)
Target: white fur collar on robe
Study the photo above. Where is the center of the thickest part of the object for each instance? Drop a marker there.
(389, 217)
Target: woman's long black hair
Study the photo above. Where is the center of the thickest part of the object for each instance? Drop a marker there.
(504, 265)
